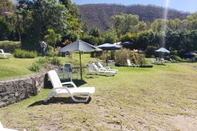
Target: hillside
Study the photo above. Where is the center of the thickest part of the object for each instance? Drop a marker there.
(98, 15)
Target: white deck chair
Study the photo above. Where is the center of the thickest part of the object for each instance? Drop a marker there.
(91, 71)
(4, 55)
(131, 64)
(107, 67)
(5, 129)
(103, 71)
(62, 89)
(154, 61)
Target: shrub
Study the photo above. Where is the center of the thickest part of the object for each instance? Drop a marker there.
(19, 53)
(9, 46)
(55, 61)
(52, 53)
(35, 67)
(43, 62)
(177, 58)
(121, 57)
(150, 51)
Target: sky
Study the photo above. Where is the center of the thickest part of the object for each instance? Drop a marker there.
(180, 5)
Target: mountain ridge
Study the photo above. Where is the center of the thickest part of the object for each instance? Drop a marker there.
(98, 15)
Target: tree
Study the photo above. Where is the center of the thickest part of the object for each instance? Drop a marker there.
(174, 24)
(110, 36)
(157, 25)
(95, 32)
(191, 21)
(7, 8)
(45, 14)
(51, 38)
(5, 29)
(125, 23)
(74, 18)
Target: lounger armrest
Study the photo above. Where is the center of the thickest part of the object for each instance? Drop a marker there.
(69, 83)
(102, 69)
(63, 87)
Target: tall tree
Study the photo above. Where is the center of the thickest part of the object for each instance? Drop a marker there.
(125, 23)
(74, 18)
(46, 14)
(191, 21)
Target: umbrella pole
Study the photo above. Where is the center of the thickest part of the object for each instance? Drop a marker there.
(80, 65)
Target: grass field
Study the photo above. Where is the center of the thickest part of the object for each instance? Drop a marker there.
(162, 98)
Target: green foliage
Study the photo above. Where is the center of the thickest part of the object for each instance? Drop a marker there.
(124, 23)
(55, 61)
(121, 57)
(95, 32)
(19, 53)
(93, 40)
(9, 46)
(177, 58)
(129, 37)
(50, 37)
(150, 51)
(35, 67)
(5, 29)
(50, 53)
(44, 62)
(110, 36)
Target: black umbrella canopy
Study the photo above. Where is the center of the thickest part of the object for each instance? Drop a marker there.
(80, 46)
(127, 43)
(190, 53)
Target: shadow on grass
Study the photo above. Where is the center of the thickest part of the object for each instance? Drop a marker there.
(58, 100)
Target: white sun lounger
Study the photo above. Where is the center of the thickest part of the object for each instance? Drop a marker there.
(4, 55)
(5, 129)
(63, 89)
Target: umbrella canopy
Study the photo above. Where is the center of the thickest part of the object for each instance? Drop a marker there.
(80, 46)
(127, 43)
(190, 53)
(163, 50)
(108, 46)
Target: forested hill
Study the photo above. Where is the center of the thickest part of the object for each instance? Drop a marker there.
(98, 15)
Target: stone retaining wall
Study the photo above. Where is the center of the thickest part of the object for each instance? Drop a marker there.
(15, 90)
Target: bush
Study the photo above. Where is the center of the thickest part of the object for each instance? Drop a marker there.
(55, 61)
(19, 53)
(9, 46)
(52, 53)
(177, 58)
(35, 67)
(44, 62)
(121, 57)
(150, 51)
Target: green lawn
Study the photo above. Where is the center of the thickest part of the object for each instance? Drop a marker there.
(138, 99)
(15, 67)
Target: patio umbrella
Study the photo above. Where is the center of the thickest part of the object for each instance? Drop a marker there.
(80, 46)
(163, 50)
(127, 44)
(108, 46)
(190, 53)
